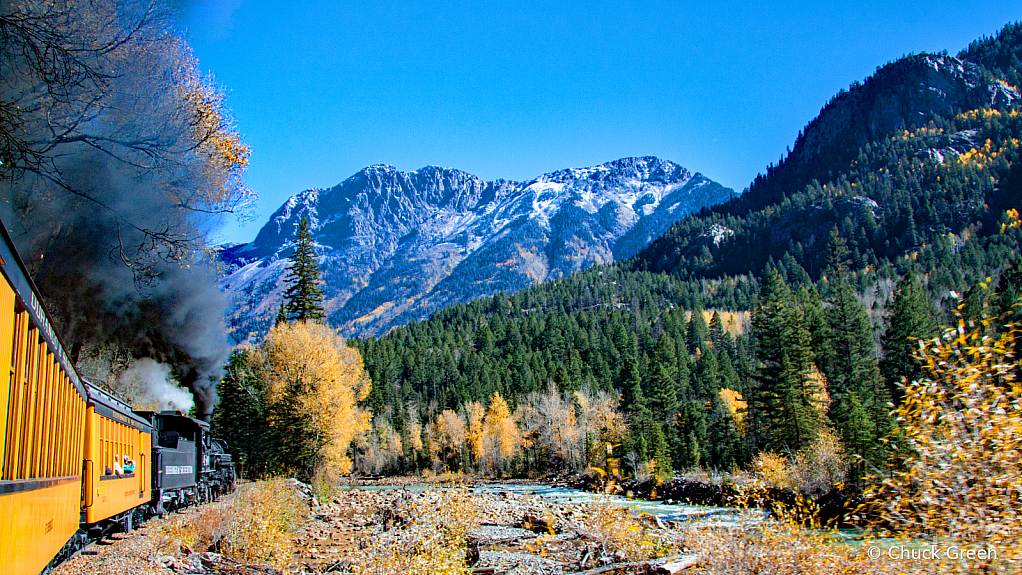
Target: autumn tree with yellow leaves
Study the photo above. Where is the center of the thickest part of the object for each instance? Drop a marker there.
(312, 384)
(501, 436)
(961, 426)
(445, 439)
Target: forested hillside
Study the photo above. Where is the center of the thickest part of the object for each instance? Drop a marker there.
(900, 196)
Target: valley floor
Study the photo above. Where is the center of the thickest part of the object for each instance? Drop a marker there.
(416, 528)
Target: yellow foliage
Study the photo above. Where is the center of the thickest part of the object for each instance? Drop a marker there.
(619, 531)
(415, 435)
(474, 413)
(1013, 220)
(309, 367)
(446, 436)
(216, 142)
(771, 468)
(979, 114)
(253, 526)
(598, 416)
(736, 406)
(961, 423)
(814, 469)
(433, 542)
(501, 437)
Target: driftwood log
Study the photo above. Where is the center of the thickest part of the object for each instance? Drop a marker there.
(666, 566)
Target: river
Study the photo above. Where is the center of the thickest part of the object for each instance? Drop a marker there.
(705, 515)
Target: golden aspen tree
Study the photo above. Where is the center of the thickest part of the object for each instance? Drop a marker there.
(501, 437)
(446, 438)
(313, 382)
(415, 436)
(961, 423)
(474, 413)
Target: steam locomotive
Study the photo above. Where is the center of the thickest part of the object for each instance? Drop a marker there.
(61, 479)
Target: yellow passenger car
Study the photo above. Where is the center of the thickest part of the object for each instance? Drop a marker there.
(42, 424)
(115, 435)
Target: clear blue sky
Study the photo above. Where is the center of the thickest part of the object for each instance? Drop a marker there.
(501, 88)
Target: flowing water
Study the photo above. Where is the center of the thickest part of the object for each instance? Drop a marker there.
(667, 512)
(706, 515)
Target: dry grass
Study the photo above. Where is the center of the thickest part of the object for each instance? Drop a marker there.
(431, 540)
(255, 525)
(786, 548)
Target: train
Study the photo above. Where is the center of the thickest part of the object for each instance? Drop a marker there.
(76, 461)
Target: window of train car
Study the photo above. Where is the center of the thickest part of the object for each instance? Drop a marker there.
(117, 441)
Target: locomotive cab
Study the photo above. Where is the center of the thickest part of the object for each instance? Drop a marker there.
(179, 459)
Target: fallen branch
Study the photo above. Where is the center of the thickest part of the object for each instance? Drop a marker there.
(665, 566)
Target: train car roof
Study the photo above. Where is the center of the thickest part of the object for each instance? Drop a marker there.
(109, 405)
(25, 289)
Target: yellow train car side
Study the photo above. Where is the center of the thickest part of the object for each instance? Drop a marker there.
(109, 437)
(36, 524)
(42, 418)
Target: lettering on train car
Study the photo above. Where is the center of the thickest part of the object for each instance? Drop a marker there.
(179, 469)
(42, 322)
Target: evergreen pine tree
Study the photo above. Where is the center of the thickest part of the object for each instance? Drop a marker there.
(663, 382)
(239, 418)
(1009, 287)
(304, 296)
(798, 394)
(660, 450)
(691, 430)
(768, 323)
(697, 331)
(716, 331)
(853, 369)
(708, 374)
(724, 437)
(911, 319)
(633, 399)
(859, 435)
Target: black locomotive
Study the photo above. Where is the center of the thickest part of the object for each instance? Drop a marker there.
(189, 465)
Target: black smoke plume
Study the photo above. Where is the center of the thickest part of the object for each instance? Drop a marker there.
(76, 250)
(113, 172)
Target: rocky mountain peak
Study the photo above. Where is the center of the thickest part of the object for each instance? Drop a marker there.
(397, 245)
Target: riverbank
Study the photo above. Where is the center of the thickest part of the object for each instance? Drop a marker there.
(834, 508)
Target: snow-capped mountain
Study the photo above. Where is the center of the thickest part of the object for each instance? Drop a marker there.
(396, 246)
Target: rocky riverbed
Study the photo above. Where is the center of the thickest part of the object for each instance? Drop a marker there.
(416, 528)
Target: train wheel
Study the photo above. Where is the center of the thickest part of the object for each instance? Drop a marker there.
(139, 516)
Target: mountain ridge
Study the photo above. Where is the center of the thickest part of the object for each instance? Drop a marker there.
(396, 246)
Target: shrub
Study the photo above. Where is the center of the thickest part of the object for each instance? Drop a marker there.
(960, 478)
(620, 532)
(815, 469)
(433, 540)
(255, 525)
